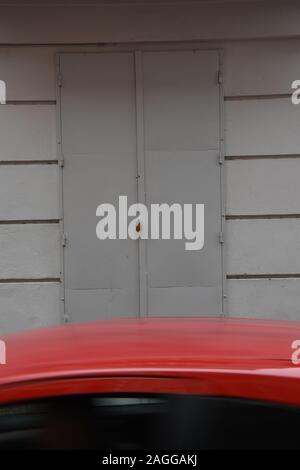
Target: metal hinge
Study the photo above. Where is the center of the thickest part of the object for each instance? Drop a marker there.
(61, 161)
(66, 318)
(221, 238)
(221, 158)
(220, 77)
(64, 240)
(59, 80)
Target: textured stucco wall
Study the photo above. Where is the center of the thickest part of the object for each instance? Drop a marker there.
(262, 147)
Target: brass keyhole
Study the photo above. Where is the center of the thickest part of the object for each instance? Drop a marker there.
(138, 227)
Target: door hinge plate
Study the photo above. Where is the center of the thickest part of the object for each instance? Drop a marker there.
(221, 238)
(59, 80)
(64, 240)
(66, 318)
(220, 77)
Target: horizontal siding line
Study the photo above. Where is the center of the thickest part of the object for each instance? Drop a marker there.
(27, 280)
(257, 97)
(227, 158)
(261, 157)
(261, 216)
(263, 276)
(29, 222)
(28, 162)
(207, 43)
(29, 102)
(226, 98)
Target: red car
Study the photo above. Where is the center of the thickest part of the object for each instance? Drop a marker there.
(152, 384)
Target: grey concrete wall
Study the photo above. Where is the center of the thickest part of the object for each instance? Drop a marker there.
(262, 147)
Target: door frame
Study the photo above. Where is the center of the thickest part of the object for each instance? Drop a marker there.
(136, 50)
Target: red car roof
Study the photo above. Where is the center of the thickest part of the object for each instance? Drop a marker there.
(172, 344)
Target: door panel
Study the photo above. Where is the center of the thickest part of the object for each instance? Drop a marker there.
(181, 100)
(182, 141)
(99, 148)
(184, 177)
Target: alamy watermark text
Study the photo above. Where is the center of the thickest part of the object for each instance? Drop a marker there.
(155, 223)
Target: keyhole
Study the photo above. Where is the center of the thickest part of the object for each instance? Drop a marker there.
(138, 227)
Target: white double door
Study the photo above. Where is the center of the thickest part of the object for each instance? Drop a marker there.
(145, 125)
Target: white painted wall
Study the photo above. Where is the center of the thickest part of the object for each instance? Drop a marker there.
(178, 21)
(29, 251)
(262, 145)
(27, 131)
(28, 305)
(262, 179)
(263, 186)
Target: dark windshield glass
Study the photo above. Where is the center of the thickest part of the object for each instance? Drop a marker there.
(144, 422)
